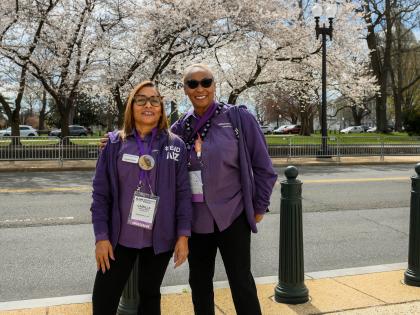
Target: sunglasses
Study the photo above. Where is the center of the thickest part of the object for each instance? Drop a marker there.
(205, 83)
(142, 101)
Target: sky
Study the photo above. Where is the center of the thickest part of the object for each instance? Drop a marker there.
(417, 33)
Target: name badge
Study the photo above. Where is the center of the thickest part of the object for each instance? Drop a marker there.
(196, 184)
(143, 210)
(130, 158)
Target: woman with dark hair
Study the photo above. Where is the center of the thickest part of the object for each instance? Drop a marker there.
(141, 204)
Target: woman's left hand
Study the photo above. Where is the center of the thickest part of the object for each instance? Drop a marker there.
(259, 217)
(181, 251)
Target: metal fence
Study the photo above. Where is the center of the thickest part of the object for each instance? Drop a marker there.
(299, 146)
(83, 148)
(48, 148)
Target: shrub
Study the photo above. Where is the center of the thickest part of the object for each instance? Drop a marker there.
(411, 119)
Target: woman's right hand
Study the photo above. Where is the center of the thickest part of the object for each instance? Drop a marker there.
(103, 252)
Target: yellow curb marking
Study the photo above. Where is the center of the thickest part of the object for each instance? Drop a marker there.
(47, 189)
(354, 180)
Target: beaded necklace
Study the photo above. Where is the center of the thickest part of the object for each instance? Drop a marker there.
(189, 138)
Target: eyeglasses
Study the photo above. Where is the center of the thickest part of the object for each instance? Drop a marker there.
(205, 83)
(142, 101)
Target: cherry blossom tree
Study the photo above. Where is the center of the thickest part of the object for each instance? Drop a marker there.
(286, 57)
(19, 37)
(256, 47)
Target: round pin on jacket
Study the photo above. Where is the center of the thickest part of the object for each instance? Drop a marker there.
(146, 162)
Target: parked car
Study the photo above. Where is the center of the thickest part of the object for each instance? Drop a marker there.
(365, 128)
(292, 129)
(352, 129)
(390, 128)
(24, 130)
(280, 130)
(267, 129)
(74, 130)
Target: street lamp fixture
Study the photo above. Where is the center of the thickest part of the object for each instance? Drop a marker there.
(329, 11)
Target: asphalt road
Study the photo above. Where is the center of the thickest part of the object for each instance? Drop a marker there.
(354, 216)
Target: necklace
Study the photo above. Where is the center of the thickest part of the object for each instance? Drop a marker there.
(190, 138)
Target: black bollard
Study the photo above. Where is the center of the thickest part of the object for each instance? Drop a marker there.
(291, 288)
(412, 274)
(129, 300)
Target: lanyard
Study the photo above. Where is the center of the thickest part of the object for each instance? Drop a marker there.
(144, 176)
(202, 121)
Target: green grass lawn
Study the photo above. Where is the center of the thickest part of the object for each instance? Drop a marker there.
(85, 141)
(46, 141)
(366, 138)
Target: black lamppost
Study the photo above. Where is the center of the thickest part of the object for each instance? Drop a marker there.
(330, 11)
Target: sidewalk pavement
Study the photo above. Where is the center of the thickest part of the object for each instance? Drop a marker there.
(362, 294)
(84, 165)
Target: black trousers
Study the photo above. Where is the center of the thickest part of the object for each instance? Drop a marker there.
(234, 245)
(109, 286)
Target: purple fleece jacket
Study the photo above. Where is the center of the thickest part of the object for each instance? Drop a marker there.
(174, 213)
(257, 173)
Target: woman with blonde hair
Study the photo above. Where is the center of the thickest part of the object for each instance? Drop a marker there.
(141, 204)
(232, 181)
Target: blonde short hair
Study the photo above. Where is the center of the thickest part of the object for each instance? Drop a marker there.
(196, 65)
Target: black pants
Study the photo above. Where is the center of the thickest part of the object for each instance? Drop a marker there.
(234, 244)
(109, 286)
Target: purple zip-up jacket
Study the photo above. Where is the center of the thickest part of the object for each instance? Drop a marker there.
(257, 173)
(174, 212)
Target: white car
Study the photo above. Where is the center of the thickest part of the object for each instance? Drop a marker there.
(25, 131)
(280, 130)
(371, 129)
(267, 129)
(352, 129)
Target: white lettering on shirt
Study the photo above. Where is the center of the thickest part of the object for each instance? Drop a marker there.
(172, 155)
(172, 152)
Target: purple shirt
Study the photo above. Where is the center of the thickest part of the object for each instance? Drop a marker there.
(133, 236)
(221, 177)
(174, 211)
(229, 163)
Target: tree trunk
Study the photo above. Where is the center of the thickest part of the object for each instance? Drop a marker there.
(305, 123)
(14, 123)
(398, 108)
(377, 68)
(13, 116)
(233, 97)
(174, 115)
(382, 123)
(42, 111)
(65, 132)
(71, 115)
(120, 105)
(357, 116)
(64, 106)
(398, 97)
